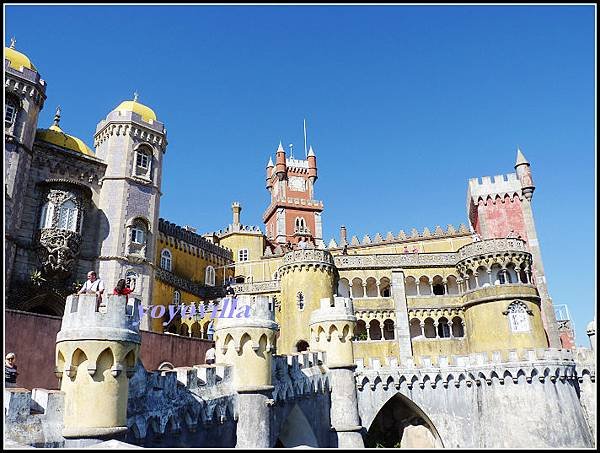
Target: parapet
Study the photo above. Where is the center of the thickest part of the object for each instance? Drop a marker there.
(500, 185)
(298, 376)
(338, 309)
(117, 319)
(300, 259)
(20, 403)
(260, 313)
(540, 364)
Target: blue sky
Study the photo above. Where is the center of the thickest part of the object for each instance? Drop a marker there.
(403, 105)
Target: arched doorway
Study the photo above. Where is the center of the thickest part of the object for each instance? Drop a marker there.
(296, 431)
(400, 423)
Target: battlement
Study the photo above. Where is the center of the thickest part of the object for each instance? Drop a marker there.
(307, 256)
(500, 185)
(20, 403)
(116, 319)
(541, 364)
(333, 309)
(299, 375)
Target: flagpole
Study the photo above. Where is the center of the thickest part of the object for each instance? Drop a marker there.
(305, 150)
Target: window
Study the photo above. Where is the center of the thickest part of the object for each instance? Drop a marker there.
(165, 260)
(443, 328)
(300, 225)
(243, 255)
(10, 113)
(67, 216)
(47, 215)
(518, 316)
(504, 277)
(142, 162)
(300, 301)
(176, 297)
(137, 235)
(209, 278)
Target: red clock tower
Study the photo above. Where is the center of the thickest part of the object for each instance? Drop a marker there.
(293, 213)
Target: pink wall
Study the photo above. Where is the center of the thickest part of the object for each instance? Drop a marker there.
(32, 337)
(500, 216)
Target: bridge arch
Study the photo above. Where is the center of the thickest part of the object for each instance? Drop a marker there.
(400, 422)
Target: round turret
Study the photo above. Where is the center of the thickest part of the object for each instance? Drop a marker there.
(246, 341)
(307, 276)
(332, 329)
(312, 165)
(96, 352)
(280, 165)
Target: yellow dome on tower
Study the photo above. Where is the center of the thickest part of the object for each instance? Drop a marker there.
(17, 59)
(55, 135)
(145, 112)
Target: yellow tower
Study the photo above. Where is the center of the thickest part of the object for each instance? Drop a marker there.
(307, 276)
(96, 353)
(331, 331)
(246, 342)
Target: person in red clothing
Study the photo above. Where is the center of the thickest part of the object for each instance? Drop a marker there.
(122, 289)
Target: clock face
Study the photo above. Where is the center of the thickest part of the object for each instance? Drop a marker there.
(297, 184)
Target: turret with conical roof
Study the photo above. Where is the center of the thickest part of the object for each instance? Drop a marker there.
(280, 166)
(269, 173)
(523, 169)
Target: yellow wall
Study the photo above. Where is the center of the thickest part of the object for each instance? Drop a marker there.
(377, 349)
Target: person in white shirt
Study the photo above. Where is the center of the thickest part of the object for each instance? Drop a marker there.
(93, 285)
(210, 356)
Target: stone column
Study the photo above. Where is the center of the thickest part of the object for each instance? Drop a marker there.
(401, 326)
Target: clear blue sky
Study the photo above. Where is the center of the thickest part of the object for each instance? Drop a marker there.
(403, 104)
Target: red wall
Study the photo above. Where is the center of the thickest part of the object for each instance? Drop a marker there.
(500, 216)
(32, 337)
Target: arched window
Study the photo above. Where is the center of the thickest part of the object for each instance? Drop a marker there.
(384, 287)
(429, 328)
(458, 329)
(374, 330)
(67, 216)
(209, 277)
(518, 316)
(343, 288)
(143, 159)
(504, 277)
(415, 328)
(176, 297)
(388, 329)
(360, 331)
(166, 260)
(443, 328)
(47, 215)
(243, 255)
(300, 300)
(438, 286)
(300, 225)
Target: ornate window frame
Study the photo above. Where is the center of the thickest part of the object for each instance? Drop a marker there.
(518, 319)
(142, 162)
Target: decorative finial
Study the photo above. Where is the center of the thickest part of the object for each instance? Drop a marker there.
(57, 116)
(13, 41)
(291, 145)
(135, 96)
(280, 147)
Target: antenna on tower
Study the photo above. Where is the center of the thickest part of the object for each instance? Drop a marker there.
(291, 145)
(305, 150)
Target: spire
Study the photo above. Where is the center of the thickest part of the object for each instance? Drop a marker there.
(520, 158)
(270, 164)
(57, 116)
(13, 41)
(310, 151)
(280, 148)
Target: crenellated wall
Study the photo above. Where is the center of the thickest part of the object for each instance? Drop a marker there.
(474, 402)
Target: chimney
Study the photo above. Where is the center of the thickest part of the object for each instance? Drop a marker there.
(343, 240)
(236, 208)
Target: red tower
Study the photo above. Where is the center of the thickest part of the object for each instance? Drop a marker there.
(293, 213)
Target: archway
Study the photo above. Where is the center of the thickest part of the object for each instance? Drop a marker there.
(296, 431)
(400, 423)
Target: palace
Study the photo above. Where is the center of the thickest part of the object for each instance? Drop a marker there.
(440, 338)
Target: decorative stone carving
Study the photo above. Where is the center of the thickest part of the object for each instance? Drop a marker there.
(58, 250)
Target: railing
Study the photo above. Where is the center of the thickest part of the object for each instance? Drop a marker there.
(258, 287)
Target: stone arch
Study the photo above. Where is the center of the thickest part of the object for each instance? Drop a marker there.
(410, 286)
(398, 418)
(360, 331)
(357, 287)
(343, 288)
(423, 286)
(372, 290)
(375, 330)
(388, 329)
(438, 286)
(296, 431)
(415, 328)
(384, 287)
(452, 283)
(104, 363)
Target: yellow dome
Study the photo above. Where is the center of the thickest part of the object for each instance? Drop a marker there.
(56, 136)
(146, 113)
(18, 60)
